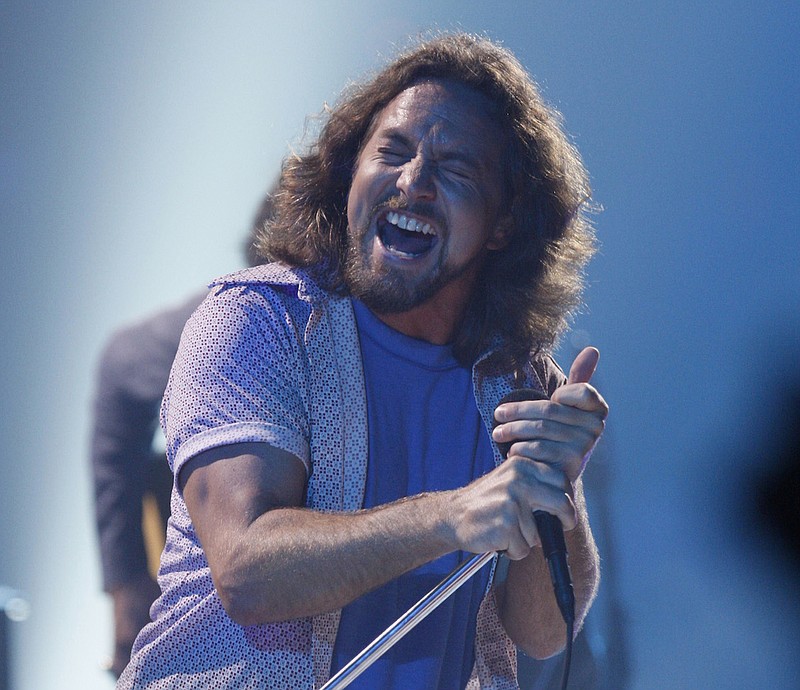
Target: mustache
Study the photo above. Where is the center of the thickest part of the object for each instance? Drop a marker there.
(420, 208)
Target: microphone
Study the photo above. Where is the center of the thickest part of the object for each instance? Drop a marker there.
(550, 531)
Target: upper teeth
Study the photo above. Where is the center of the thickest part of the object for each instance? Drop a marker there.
(406, 223)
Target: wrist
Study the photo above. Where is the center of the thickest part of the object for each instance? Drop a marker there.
(435, 514)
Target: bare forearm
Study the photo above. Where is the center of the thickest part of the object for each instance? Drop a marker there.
(527, 603)
(295, 562)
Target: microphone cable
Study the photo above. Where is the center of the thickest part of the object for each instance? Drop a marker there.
(555, 551)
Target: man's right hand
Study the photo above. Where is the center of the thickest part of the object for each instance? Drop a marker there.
(495, 512)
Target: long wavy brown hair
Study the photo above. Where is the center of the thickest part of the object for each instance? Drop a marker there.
(526, 292)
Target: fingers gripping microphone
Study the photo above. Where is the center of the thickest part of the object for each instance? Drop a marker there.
(550, 530)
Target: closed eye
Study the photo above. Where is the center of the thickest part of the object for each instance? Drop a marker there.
(391, 155)
(457, 172)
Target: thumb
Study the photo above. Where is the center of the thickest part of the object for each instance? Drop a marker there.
(584, 365)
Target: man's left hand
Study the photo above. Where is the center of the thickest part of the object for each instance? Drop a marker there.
(560, 432)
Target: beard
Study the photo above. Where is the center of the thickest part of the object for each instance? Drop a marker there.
(390, 291)
(387, 289)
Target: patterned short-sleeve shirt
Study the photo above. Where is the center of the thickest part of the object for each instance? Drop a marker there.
(270, 357)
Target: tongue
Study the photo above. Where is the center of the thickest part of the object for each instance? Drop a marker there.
(398, 240)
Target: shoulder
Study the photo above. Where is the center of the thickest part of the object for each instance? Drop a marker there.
(268, 296)
(277, 277)
(262, 307)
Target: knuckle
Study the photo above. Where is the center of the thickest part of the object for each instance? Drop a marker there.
(514, 466)
(522, 466)
(518, 549)
(522, 450)
(513, 554)
(536, 449)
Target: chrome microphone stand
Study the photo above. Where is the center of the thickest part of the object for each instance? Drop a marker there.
(407, 621)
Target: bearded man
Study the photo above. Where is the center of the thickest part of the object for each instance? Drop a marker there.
(329, 415)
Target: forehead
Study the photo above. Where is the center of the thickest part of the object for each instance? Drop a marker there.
(443, 112)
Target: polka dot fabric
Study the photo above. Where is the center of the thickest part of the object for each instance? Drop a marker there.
(269, 357)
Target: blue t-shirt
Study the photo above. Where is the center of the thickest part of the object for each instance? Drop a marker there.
(425, 434)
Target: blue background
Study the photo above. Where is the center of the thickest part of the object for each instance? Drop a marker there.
(137, 139)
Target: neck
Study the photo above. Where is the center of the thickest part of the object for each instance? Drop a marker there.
(436, 320)
(417, 323)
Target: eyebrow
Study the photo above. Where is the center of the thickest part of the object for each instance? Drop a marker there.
(395, 136)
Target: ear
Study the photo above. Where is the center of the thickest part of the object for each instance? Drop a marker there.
(501, 234)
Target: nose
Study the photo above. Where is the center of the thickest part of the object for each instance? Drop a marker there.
(416, 180)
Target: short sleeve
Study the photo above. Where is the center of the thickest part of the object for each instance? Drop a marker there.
(240, 375)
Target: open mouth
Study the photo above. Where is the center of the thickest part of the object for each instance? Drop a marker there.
(405, 236)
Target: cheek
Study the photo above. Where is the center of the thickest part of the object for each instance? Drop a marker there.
(355, 201)
(472, 223)
(361, 198)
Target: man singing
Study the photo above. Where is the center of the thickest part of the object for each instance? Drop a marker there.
(329, 415)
